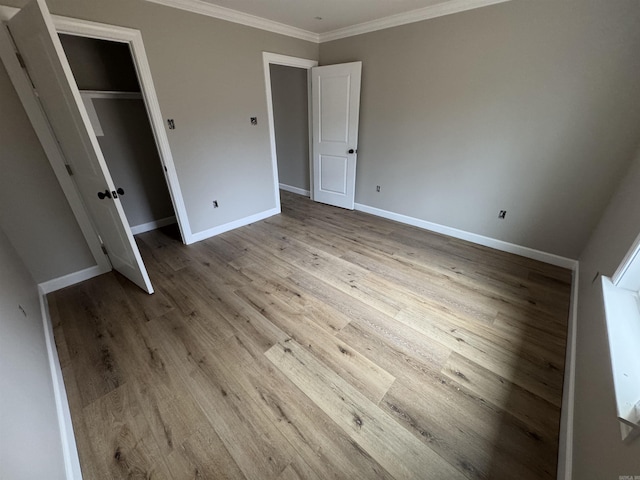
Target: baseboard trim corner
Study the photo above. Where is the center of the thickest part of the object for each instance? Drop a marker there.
(472, 237)
(71, 279)
(299, 191)
(212, 232)
(63, 412)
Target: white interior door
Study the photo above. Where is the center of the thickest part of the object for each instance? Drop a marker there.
(37, 41)
(336, 110)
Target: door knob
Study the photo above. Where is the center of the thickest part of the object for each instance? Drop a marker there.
(105, 194)
(351, 151)
(120, 191)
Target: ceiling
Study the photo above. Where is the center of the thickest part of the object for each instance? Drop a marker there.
(335, 14)
(324, 20)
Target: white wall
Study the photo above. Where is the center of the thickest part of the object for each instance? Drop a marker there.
(290, 97)
(33, 210)
(598, 448)
(30, 438)
(527, 106)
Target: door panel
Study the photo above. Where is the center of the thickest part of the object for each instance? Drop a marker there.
(333, 174)
(37, 41)
(335, 111)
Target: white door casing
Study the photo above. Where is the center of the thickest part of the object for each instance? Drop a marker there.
(269, 59)
(336, 108)
(36, 39)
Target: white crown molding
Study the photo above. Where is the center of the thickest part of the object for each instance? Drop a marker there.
(223, 13)
(445, 8)
(439, 10)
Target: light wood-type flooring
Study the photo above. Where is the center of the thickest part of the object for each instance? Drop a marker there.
(319, 343)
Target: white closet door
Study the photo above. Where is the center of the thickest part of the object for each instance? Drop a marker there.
(38, 43)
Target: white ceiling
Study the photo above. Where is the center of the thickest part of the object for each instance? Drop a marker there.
(339, 18)
(336, 14)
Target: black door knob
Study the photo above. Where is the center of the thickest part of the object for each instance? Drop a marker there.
(105, 194)
(351, 150)
(120, 191)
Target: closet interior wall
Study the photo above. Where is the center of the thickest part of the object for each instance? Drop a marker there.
(107, 80)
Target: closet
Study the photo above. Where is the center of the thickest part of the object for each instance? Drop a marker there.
(106, 77)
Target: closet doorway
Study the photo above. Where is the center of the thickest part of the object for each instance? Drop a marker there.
(106, 76)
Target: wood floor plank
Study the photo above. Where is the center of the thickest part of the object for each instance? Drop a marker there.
(477, 439)
(203, 455)
(257, 447)
(539, 414)
(321, 443)
(126, 447)
(399, 452)
(319, 343)
(365, 375)
(540, 378)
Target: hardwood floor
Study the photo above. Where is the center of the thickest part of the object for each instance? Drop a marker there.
(320, 343)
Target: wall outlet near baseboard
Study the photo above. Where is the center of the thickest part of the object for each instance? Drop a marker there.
(502, 214)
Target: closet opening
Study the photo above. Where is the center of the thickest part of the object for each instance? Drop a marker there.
(106, 76)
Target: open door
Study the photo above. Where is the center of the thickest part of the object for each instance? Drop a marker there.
(336, 110)
(36, 39)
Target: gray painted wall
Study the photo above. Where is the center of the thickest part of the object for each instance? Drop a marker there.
(531, 107)
(131, 154)
(598, 449)
(100, 64)
(33, 210)
(291, 121)
(208, 76)
(30, 440)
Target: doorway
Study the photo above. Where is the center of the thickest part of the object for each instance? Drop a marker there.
(290, 96)
(289, 171)
(106, 77)
(333, 106)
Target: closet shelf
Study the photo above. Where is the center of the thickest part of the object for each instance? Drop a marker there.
(111, 94)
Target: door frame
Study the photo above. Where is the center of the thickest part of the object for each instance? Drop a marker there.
(133, 38)
(269, 59)
(44, 133)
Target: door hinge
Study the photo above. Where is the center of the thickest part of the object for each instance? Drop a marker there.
(104, 249)
(68, 167)
(21, 60)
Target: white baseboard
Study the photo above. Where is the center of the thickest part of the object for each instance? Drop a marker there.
(69, 448)
(212, 232)
(147, 227)
(565, 447)
(71, 279)
(472, 237)
(299, 191)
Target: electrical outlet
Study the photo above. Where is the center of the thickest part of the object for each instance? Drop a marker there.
(378, 188)
(215, 204)
(254, 120)
(502, 214)
(171, 124)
